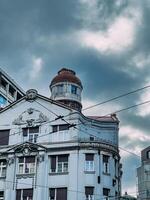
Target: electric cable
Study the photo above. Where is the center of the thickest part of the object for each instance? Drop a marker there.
(117, 97)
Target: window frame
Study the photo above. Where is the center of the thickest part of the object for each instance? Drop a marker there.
(3, 166)
(59, 165)
(60, 127)
(55, 190)
(89, 162)
(26, 165)
(89, 196)
(21, 194)
(31, 136)
(106, 164)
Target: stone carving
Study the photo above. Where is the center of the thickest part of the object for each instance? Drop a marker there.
(31, 95)
(30, 117)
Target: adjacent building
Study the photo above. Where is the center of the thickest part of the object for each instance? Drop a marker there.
(49, 150)
(127, 197)
(9, 90)
(143, 174)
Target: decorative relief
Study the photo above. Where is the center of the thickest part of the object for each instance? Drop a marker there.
(31, 95)
(30, 117)
(26, 149)
(10, 160)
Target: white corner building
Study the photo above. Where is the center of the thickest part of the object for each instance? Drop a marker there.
(50, 151)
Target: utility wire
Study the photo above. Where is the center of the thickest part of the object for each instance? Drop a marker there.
(74, 125)
(75, 191)
(128, 108)
(117, 97)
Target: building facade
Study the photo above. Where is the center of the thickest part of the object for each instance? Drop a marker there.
(9, 90)
(143, 174)
(49, 150)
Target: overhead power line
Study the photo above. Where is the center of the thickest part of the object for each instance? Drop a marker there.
(128, 108)
(117, 97)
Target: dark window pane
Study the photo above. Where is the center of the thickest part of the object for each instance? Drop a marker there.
(18, 194)
(73, 89)
(106, 191)
(53, 163)
(4, 161)
(89, 157)
(52, 192)
(21, 159)
(89, 191)
(54, 128)
(30, 159)
(61, 194)
(105, 158)
(25, 132)
(63, 127)
(63, 158)
(27, 192)
(34, 129)
(4, 137)
(1, 193)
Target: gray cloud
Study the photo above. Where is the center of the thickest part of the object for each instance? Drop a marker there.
(47, 30)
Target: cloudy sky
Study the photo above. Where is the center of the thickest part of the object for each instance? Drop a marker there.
(106, 42)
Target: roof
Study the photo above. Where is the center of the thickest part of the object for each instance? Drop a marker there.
(111, 118)
(66, 75)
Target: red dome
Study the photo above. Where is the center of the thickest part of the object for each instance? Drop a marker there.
(66, 75)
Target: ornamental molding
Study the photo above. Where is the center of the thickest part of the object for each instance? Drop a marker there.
(10, 160)
(41, 158)
(30, 118)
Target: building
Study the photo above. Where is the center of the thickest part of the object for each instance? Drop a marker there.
(127, 197)
(9, 90)
(143, 174)
(49, 150)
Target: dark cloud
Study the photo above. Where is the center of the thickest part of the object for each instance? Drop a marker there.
(47, 29)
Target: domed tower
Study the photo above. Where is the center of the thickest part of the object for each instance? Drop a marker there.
(66, 88)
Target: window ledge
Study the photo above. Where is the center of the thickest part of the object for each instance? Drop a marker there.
(107, 174)
(25, 175)
(89, 172)
(58, 173)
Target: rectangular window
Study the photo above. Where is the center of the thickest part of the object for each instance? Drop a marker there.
(60, 89)
(31, 134)
(59, 164)
(3, 83)
(4, 137)
(1, 195)
(24, 194)
(26, 165)
(106, 193)
(106, 164)
(89, 162)
(58, 194)
(89, 193)
(2, 168)
(73, 89)
(61, 127)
